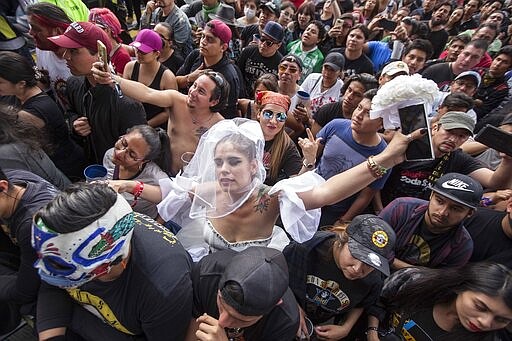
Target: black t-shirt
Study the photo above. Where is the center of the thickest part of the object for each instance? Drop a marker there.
(174, 62)
(441, 74)
(421, 326)
(247, 33)
(152, 298)
(252, 65)
(281, 324)
(485, 228)
(329, 293)
(328, 112)
(363, 64)
(438, 39)
(410, 179)
(290, 165)
(228, 69)
(23, 287)
(424, 244)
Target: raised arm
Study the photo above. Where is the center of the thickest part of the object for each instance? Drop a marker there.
(135, 90)
(353, 180)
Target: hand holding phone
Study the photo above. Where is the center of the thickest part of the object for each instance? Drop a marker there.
(495, 138)
(388, 25)
(102, 54)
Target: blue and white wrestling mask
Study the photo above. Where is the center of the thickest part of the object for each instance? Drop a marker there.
(69, 260)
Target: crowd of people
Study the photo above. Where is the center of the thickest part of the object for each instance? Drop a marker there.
(260, 182)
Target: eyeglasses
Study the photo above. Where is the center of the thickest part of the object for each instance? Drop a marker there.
(122, 144)
(467, 84)
(291, 69)
(269, 114)
(267, 42)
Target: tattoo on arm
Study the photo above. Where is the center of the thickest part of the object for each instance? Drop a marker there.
(262, 199)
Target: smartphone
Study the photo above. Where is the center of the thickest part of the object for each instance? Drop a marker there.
(413, 117)
(495, 138)
(388, 25)
(102, 54)
(339, 22)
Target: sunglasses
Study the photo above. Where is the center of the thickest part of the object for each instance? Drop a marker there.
(267, 42)
(291, 69)
(268, 114)
(216, 77)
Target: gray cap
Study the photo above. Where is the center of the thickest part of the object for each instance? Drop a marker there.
(372, 241)
(335, 60)
(457, 119)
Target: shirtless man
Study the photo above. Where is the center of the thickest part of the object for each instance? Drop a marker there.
(190, 116)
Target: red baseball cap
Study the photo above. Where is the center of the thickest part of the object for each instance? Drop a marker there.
(82, 34)
(220, 30)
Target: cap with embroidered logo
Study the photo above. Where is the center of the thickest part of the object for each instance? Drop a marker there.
(459, 188)
(372, 241)
(394, 68)
(82, 34)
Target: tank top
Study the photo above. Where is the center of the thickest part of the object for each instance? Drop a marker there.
(151, 110)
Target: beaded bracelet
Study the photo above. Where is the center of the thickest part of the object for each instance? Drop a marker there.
(137, 191)
(377, 170)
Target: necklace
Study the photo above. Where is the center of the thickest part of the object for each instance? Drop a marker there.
(200, 123)
(15, 200)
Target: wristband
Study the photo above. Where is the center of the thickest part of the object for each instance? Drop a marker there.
(137, 191)
(485, 202)
(308, 165)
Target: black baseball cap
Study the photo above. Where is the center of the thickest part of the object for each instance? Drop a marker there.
(262, 273)
(459, 188)
(372, 241)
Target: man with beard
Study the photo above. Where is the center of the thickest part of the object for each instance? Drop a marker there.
(444, 73)
(189, 115)
(431, 233)
(166, 10)
(413, 179)
(47, 20)
(437, 35)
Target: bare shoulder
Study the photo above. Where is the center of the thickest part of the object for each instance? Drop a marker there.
(263, 201)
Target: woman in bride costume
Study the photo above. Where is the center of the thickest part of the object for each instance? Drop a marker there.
(220, 199)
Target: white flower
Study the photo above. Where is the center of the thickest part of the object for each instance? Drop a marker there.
(399, 92)
(405, 88)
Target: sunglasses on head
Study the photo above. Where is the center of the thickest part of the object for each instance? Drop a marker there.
(268, 114)
(216, 77)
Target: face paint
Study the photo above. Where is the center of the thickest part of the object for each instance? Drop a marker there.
(68, 260)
